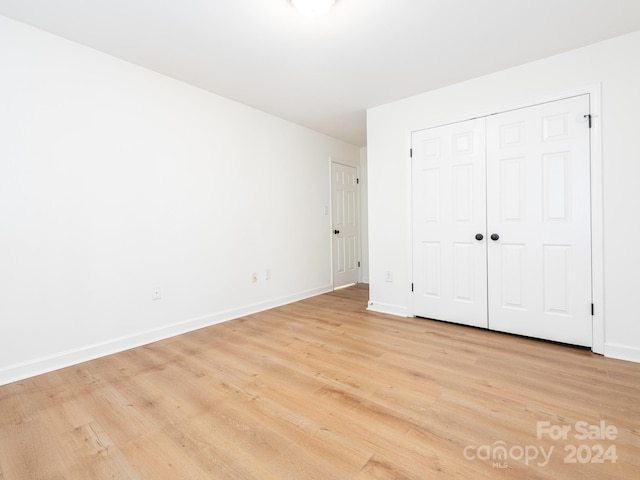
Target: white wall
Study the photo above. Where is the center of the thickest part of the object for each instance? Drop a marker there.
(115, 180)
(615, 64)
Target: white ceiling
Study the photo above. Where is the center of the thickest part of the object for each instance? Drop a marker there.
(324, 73)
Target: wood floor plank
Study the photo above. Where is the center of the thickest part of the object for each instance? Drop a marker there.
(324, 389)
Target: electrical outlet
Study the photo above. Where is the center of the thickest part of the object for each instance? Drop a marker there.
(267, 274)
(388, 277)
(155, 294)
(254, 277)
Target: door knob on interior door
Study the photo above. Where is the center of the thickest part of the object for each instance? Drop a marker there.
(495, 236)
(479, 236)
(336, 232)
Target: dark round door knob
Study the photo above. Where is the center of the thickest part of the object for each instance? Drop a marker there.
(336, 232)
(479, 236)
(495, 236)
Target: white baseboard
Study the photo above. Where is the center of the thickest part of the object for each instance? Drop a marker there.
(622, 352)
(396, 310)
(20, 371)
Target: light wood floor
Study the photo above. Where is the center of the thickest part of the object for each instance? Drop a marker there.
(323, 389)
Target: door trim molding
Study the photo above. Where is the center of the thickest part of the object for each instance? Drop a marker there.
(597, 211)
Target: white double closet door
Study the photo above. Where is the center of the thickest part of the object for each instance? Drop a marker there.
(501, 222)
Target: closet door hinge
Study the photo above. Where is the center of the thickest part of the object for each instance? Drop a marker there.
(411, 152)
(592, 310)
(412, 287)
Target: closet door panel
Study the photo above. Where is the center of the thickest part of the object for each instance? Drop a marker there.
(448, 185)
(538, 204)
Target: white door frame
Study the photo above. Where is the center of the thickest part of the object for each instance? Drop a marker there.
(597, 205)
(332, 161)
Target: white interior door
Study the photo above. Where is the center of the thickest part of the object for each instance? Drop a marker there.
(344, 205)
(538, 208)
(449, 263)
